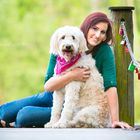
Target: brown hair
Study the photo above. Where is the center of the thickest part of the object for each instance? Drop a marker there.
(92, 20)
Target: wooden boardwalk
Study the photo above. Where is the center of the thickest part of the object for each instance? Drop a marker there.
(67, 134)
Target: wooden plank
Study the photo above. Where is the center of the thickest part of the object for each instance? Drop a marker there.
(67, 134)
(125, 80)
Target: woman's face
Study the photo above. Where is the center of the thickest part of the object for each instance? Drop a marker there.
(97, 34)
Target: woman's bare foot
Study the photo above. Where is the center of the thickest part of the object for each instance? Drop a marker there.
(12, 124)
(3, 123)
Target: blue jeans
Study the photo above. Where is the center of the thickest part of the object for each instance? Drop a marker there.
(33, 111)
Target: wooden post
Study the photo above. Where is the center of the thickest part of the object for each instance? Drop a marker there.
(125, 79)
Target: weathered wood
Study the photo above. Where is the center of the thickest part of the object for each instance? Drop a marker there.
(125, 79)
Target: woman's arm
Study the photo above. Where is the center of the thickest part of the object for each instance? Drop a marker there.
(114, 108)
(59, 81)
(113, 103)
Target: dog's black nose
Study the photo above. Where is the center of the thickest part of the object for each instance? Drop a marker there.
(68, 47)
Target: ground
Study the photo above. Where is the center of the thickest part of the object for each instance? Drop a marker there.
(68, 134)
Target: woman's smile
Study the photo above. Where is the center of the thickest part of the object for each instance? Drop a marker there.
(97, 34)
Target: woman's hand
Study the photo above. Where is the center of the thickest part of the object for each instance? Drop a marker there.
(113, 103)
(121, 124)
(80, 74)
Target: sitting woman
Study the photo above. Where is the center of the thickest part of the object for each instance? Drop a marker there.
(35, 111)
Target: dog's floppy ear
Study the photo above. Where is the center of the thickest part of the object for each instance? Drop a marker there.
(54, 43)
(83, 43)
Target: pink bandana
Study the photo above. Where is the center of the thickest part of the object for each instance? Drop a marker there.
(62, 65)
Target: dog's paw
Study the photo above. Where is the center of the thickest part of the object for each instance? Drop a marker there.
(48, 125)
(60, 125)
(72, 124)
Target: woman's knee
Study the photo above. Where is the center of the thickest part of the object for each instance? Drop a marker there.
(31, 116)
(24, 117)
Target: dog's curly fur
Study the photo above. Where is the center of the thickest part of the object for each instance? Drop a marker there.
(85, 103)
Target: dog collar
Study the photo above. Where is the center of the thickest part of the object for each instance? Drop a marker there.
(62, 64)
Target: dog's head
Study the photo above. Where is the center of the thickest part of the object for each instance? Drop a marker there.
(67, 41)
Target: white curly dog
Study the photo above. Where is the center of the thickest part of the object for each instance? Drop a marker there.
(78, 104)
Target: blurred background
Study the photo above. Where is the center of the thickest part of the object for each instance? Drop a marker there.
(25, 30)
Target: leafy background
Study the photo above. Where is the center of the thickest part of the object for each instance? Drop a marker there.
(25, 30)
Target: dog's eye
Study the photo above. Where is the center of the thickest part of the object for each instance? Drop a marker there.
(73, 37)
(63, 37)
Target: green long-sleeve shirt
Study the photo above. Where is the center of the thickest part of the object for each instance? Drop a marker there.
(104, 62)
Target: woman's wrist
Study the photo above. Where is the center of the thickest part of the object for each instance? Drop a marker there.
(70, 76)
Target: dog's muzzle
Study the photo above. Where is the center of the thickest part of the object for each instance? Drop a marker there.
(68, 48)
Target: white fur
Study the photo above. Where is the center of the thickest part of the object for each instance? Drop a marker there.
(85, 103)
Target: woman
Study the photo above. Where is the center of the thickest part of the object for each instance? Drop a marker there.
(34, 111)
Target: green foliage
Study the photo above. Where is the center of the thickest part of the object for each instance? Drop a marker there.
(25, 30)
